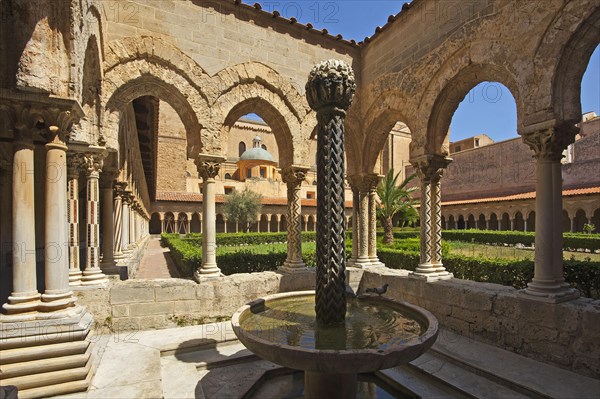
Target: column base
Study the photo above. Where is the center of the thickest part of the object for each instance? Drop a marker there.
(429, 273)
(362, 263)
(207, 271)
(93, 277)
(375, 262)
(54, 302)
(74, 277)
(22, 303)
(294, 266)
(549, 291)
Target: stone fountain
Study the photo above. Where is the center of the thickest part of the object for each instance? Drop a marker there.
(330, 337)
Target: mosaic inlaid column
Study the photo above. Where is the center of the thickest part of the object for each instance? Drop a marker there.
(131, 240)
(548, 143)
(24, 296)
(108, 223)
(92, 275)
(293, 177)
(373, 181)
(126, 200)
(360, 183)
(438, 165)
(118, 219)
(58, 294)
(74, 162)
(208, 169)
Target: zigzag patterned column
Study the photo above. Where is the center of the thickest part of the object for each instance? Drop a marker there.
(329, 90)
(118, 219)
(293, 177)
(92, 275)
(74, 162)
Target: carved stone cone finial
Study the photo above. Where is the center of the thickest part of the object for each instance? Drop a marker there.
(330, 84)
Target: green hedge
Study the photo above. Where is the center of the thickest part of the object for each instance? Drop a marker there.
(233, 239)
(583, 275)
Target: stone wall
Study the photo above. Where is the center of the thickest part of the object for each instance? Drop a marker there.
(155, 304)
(565, 334)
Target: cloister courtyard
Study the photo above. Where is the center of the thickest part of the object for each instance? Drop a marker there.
(127, 127)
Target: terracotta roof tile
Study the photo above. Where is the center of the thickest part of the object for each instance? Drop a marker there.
(521, 196)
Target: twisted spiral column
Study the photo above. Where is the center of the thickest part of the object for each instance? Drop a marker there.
(329, 91)
(118, 219)
(293, 177)
(372, 182)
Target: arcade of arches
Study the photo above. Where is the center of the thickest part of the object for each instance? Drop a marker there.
(89, 98)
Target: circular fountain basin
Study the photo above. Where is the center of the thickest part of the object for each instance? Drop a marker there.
(378, 333)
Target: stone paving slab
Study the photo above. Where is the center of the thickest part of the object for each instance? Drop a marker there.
(156, 262)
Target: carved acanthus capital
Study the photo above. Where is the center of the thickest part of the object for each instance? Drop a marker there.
(364, 183)
(208, 169)
(127, 196)
(372, 181)
(331, 86)
(430, 168)
(58, 124)
(294, 176)
(549, 142)
(75, 162)
(120, 187)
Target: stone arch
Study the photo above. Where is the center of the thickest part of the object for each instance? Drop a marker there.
(311, 223)
(595, 220)
(155, 224)
(91, 91)
(562, 85)
(460, 222)
(566, 222)
(580, 219)
(531, 221)
(470, 223)
(481, 222)
(263, 223)
(388, 109)
(195, 224)
(169, 223)
(182, 223)
(519, 223)
(450, 86)
(254, 98)
(136, 67)
(220, 223)
(493, 222)
(451, 222)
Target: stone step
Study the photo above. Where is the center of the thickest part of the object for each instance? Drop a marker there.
(43, 339)
(42, 380)
(414, 385)
(221, 355)
(56, 389)
(518, 373)
(18, 355)
(460, 379)
(45, 365)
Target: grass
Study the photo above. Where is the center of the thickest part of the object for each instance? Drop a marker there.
(492, 251)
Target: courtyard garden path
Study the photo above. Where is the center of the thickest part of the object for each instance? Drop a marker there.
(156, 262)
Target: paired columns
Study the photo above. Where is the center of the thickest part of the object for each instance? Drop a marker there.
(430, 169)
(208, 167)
(364, 220)
(548, 141)
(294, 176)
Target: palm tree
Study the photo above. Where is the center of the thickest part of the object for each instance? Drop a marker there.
(394, 199)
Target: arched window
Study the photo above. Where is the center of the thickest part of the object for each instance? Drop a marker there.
(264, 147)
(227, 175)
(242, 148)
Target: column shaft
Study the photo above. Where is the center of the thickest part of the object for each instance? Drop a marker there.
(24, 296)
(57, 294)
(294, 178)
(372, 241)
(108, 228)
(74, 163)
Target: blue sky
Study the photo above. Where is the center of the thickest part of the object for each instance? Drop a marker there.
(489, 108)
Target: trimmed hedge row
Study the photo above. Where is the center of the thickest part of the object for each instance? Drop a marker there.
(583, 275)
(234, 239)
(571, 241)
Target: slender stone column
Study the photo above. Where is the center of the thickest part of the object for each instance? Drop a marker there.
(108, 223)
(131, 240)
(162, 224)
(525, 225)
(487, 224)
(74, 163)
(355, 232)
(293, 177)
(373, 181)
(361, 185)
(278, 217)
(126, 200)
(436, 219)
(24, 297)
(429, 169)
(548, 143)
(208, 167)
(118, 219)
(572, 224)
(57, 295)
(225, 225)
(92, 275)
(512, 224)
(269, 223)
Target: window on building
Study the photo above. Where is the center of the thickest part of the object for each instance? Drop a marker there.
(263, 172)
(228, 175)
(242, 148)
(249, 173)
(310, 195)
(264, 147)
(476, 142)
(229, 190)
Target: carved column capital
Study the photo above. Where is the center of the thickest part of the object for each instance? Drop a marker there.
(93, 163)
(430, 168)
(120, 187)
(294, 176)
(331, 86)
(75, 161)
(364, 183)
(549, 140)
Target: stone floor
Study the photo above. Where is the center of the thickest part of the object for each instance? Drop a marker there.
(156, 262)
(208, 362)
